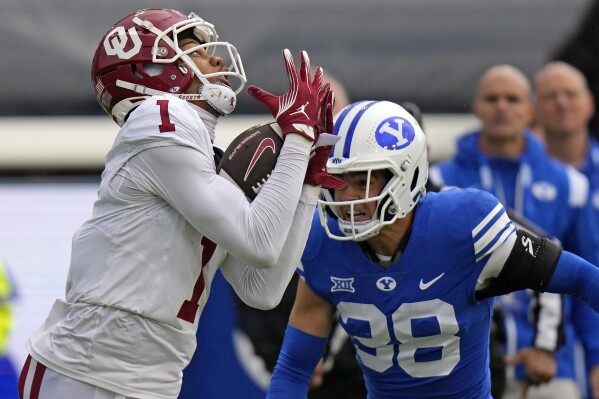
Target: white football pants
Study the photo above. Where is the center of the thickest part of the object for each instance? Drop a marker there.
(39, 382)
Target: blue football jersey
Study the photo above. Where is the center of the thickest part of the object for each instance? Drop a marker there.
(418, 330)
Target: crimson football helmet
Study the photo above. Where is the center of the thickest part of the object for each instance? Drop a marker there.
(376, 135)
(140, 57)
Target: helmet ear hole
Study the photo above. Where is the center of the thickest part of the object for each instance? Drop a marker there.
(414, 179)
(153, 69)
(135, 72)
(392, 209)
(389, 212)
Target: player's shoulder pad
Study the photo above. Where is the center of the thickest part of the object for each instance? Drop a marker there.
(460, 213)
(175, 104)
(471, 201)
(168, 111)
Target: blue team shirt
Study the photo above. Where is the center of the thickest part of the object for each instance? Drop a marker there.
(539, 188)
(590, 168)
(586, 326)
(418, 330)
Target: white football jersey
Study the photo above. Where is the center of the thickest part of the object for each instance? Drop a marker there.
(140, 273)
(142, 265)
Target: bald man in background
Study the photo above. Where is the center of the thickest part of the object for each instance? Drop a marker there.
(505, 158)
(564, 107)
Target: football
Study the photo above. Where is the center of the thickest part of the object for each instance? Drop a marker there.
(251, 156)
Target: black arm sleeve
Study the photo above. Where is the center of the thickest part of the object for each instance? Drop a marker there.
(530, 265)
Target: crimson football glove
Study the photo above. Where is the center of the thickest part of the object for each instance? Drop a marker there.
(316, 174)
(297, 110)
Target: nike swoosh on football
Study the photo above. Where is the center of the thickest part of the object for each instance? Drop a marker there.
(264, 145)
(424, 286)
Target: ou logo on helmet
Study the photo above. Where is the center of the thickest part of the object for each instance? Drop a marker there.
(394, 133)
(117, 40)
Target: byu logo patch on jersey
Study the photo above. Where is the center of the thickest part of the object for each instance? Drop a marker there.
(386, 283)
(544, 191)
(394, 133)
(342, 284)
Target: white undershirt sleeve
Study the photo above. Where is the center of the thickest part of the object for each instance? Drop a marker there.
(264, 288)
(253, 233)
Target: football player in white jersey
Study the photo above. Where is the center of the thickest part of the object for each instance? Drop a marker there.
(164, 221)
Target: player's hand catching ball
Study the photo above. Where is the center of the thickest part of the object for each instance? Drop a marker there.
(297, 110)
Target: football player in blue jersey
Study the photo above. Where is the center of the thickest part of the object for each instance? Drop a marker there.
(413, 276)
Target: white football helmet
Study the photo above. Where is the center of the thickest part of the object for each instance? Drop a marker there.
(376, 135)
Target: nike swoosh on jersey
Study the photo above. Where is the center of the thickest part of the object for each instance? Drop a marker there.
(264, 145)
(424, 286)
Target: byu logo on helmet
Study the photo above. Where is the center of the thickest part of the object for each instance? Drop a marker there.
(375, 136)
(394, 133)
(116, 41)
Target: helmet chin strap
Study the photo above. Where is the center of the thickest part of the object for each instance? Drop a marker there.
(219, 96)
(385, 206)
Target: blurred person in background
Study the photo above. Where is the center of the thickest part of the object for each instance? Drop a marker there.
(164, 221)
(506, 159)
(496, 351)
(564, 107)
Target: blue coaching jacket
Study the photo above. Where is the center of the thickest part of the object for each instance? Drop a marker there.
(554, 197)
(590, 168)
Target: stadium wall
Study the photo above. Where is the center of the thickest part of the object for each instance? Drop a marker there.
(75, 143)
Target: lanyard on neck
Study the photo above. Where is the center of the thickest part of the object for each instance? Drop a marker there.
(491, 182)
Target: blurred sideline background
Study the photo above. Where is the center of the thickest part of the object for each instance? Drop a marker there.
(53, 135)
